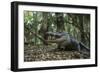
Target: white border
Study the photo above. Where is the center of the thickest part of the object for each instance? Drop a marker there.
(22, 64)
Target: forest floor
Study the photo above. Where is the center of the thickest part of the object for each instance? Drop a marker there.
(47, 53)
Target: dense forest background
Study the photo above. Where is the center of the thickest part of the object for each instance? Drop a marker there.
(77, 25)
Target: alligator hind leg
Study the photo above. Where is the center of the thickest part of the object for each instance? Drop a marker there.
(80, 51)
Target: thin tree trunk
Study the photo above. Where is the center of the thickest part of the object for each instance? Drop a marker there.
(60, 22)
(81, 28)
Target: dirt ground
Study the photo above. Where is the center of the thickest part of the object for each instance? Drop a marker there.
(47, 53)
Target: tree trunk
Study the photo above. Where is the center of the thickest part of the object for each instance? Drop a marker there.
(81, 28)
(60, 22)
(44, 27)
